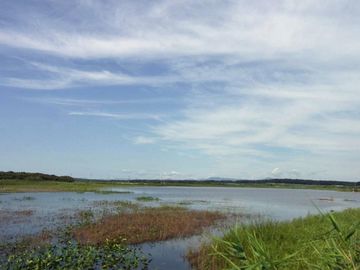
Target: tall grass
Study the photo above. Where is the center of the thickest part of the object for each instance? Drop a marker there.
(326, 241)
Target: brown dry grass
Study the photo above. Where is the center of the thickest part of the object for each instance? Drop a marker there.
(147, 225)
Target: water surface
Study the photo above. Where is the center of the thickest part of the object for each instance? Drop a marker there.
(51, 209)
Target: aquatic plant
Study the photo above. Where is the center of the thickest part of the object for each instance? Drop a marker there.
(85, 217)
(70, 255)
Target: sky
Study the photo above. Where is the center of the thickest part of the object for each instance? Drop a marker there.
(181, 89)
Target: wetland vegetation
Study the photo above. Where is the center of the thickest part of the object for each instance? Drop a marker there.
(68, 254)
(104, 243)
(147, 225)
(105, 225)
(324, 241)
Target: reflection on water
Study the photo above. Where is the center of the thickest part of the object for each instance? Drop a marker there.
(279, 204)
(52, 209)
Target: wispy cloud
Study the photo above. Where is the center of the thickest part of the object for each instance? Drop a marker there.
(118, 116)
(144, 140)
(169, 28)
(97, 102)
(62, 77)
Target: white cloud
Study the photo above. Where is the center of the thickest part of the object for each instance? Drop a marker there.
(69, 77)
(143, 140)
(118, 116)
(188, 28)
(97, 102)
(276, 172)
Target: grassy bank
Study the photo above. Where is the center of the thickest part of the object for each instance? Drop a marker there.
(315, 242)
(54, 186)
(12, 185)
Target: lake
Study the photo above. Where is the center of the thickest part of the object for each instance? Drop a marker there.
(51, 209)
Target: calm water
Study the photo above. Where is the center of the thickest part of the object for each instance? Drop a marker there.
(53, 209)
(279, 204)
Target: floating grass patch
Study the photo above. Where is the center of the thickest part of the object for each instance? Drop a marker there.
(119, 205)
(70, 255)
(147, 199)
(328, 241)
(147, 225)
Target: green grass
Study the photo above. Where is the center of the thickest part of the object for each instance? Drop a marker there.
(147, 199)
(55, 186)
(315, 242)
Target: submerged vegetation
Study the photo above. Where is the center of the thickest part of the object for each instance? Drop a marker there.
(330, 241)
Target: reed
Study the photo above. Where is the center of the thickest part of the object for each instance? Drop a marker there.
(325, 241)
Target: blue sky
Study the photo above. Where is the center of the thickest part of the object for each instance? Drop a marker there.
(181, 89)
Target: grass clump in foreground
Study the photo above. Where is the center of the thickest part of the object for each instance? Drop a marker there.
(330, 241)
(146, 225)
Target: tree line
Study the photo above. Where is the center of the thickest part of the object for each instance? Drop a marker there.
(34, 176)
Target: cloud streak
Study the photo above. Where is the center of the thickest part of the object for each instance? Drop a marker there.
(117, 116)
